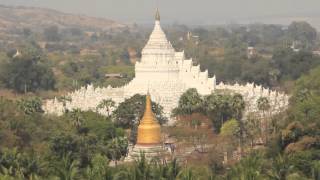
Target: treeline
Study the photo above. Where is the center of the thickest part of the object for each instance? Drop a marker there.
(224, 52)
(31, 69)
(284, 67)
(38, 146)
(291, 141)
(219, 107)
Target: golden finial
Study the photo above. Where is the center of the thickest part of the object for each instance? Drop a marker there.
(149, 127)
(157, 15)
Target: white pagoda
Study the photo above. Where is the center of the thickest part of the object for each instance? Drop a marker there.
(166, 74)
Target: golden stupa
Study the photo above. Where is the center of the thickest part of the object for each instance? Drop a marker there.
(149, 132)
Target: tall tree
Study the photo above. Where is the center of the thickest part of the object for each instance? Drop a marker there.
(189, 102)
(106, 104)
(280, 168)
(302, 31)
(64, 100)
(117, 148)
(67, 168)
(77, 118)
(264, 106)
(238, 106)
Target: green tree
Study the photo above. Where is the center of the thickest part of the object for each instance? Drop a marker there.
(186, 174)
(302, 31)
(249, 168)
(117, 148)
(251, 123)
(173, 169)
(64, 100)
(27, 73)
(222, 107)
(106, 104)
(30, 105)
(99, 168)
(280, 169)
(128, 114)
(215, 108)
(292, 65)
(64, 145)
(67, 168)
(77, 118)
(231, 128)
(238, 106)
(305, 101)
(189, 102)
(316, 170)
(16, 164)
(264, 105)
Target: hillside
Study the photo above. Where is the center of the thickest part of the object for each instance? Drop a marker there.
(30, 17)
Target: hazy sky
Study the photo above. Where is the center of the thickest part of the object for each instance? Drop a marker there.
(187, 11)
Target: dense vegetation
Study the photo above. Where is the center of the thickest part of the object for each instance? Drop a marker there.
(291, 139)
(27, 73)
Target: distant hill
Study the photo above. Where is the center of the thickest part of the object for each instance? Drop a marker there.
(30, 17)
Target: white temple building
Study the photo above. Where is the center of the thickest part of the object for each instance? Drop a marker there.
(166, 74)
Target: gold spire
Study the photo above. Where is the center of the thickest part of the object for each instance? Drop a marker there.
(149, 128)
(157, 15)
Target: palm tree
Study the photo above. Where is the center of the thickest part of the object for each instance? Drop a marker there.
(99, 168)
(130, 173)
(251, 124)
(280, 168)
(64, 100)
(158, 170)
(264, 105)
(238, 106)
(117, 148)
(316, 170)
(67, 168)
(173, 169)
(142, 168)
(77, 118)
(186, 174)
(14, 163)
(107, 104)
(249, 168)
